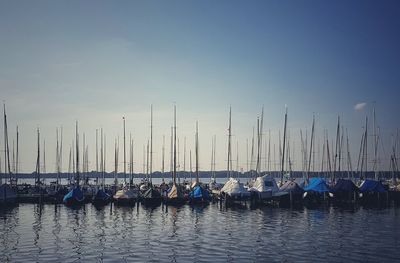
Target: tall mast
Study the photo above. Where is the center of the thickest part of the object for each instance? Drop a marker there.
(269, 151)
(375, 148)
(190, 156)
(151, 144)
(7, 149)
(17, 163)
(258, 148)
(163, 156)
(252, 154)
(212, 157)
(77, 154)
(61, 148)
(311, 149)
(260, 131)
(366, 145)
(123, 118)
(44, 156)
(144, 160)
(57, 158)
(174, 174)
(147, 161)
(197, 153)
(130, 160)
(237, 158)
(229, 144)
(172, 153)
(349, 164)
(336, 148)
(97, 154)
(38, 159)
(284, 145)
(115, 161)
(184, 154)
(101, 158)
(104, 159)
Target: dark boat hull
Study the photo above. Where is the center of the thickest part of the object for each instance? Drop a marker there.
(125, 201)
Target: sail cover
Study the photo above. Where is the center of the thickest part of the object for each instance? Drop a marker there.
(372, 186)
(317, 185)
(199, 192)
(291, 186)
(344, 185)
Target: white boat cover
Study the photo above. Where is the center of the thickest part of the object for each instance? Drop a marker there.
(266, 186)
(174, 192)
(265, 183)
(126, 194)
(234, 188)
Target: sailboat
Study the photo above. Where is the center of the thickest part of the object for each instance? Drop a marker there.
(175, 193)
(101, 197)
(198, 195)
(213, 185)
(128, 195)
(7, 194)
(264, 187)
(233, 190)
(75, 196)
(151, 196)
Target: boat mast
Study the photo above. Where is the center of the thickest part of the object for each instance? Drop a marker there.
(38, 159)
(349, 164)
(184, 155)
(311, 149)
(229, 144)
(336, 148)
(197, 152)
(123, 118)
(151, 144)
(17, 163)
(7, 149)
(77, 154)
(375, 147)
(97, 156)
(130, 160)
(283, 150)
(163, 157)
(174, 171)
(212, 158)
(101, 158)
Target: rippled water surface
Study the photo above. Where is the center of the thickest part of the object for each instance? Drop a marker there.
(57, 233)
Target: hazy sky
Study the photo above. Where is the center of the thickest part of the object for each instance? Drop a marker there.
(96, 61)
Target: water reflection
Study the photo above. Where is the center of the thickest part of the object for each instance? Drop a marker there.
(193, 233)
(9, 237)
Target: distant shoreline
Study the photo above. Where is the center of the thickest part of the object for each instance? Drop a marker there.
(203, 174)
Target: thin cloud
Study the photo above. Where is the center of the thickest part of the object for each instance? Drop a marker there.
(360, 106)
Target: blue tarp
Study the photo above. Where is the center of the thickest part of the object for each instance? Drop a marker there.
(199, 192)
(101, 195)
(317, 185)
(75, 193)
(372, 186)
(344, 185)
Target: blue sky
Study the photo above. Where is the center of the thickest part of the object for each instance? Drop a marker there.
(96, 61)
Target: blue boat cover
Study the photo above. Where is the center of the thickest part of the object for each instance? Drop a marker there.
(344, 185)
(372, 186)
(317, 185)
(199, 192)
(75, 193)
(101, 195)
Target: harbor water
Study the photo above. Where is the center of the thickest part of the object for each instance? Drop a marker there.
(56, 233)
